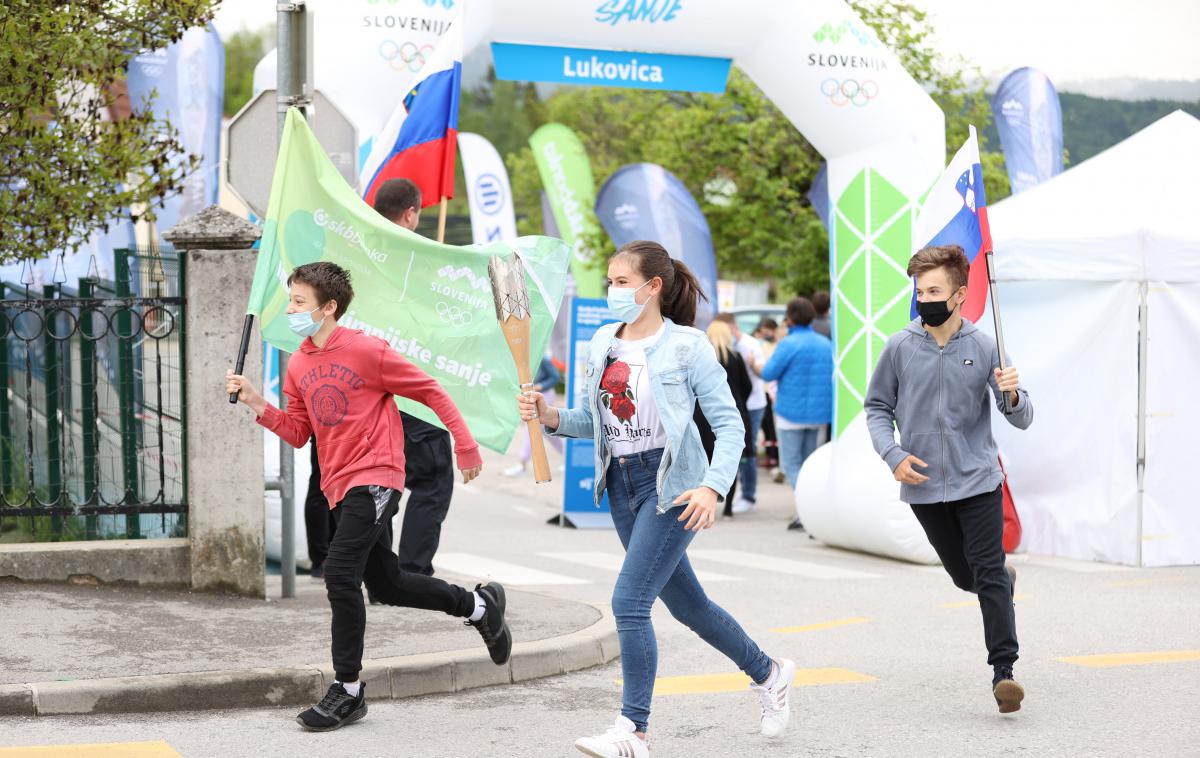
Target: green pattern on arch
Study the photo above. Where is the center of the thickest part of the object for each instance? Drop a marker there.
(872, 242)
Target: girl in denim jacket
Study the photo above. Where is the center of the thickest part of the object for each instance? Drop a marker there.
(644, 377)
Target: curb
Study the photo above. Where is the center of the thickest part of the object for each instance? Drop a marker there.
(387, 678)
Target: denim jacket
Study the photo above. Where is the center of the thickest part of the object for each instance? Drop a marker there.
(683, 369)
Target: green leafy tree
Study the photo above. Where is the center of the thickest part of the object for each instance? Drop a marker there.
(66, 166)
(243, 50)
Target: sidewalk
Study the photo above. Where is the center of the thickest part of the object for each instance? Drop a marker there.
(109, 649)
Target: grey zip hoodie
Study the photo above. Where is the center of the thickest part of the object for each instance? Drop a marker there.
(938, 399)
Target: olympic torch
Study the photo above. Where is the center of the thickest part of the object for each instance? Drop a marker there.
(512, 311)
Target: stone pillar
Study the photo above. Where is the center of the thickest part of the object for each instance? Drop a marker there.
(226, 521)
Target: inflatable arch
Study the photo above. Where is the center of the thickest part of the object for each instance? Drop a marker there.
(881, 134)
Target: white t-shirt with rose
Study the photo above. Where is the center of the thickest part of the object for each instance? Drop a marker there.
(628, 412)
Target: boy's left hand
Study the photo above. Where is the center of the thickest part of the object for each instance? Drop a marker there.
(701, 512)
(470, 473)
(1008, 380)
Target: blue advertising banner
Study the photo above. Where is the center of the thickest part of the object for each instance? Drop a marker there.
(189, 79)
(579, 478)
(609, 68)
(1029, 120)
(644, 201)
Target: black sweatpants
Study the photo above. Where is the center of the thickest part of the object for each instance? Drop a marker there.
(429, 479)
(968, 536)
(360, 552)
(319, 522)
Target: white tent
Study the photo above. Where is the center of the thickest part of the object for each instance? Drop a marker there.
(1099, 287)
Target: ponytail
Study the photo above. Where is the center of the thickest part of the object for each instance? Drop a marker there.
(681, 290)
(680, 303)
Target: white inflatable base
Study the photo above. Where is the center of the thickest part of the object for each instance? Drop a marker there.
(847, 498)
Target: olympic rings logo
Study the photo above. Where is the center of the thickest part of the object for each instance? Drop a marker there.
(407, 55)
(453, 315)
(850, 91)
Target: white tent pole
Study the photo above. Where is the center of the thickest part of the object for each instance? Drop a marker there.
(1143, 351)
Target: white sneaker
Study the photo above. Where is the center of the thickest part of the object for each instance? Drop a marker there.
(776, 701)
(742, 505)
(515, 470)
(618, 742)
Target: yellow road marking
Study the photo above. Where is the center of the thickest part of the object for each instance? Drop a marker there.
(1132, 659)
(1144, 582)
(159, 749)
(714, 683)
(975, 603)
(820, 626)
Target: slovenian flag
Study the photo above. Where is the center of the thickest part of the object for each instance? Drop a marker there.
(421, 136)
(955, 213)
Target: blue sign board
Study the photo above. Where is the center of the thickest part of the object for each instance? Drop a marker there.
(610, 68)
(579, 478)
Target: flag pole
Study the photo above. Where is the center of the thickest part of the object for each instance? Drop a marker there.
(991, 275)
(243, 348)
(986, 232)
(441, 233)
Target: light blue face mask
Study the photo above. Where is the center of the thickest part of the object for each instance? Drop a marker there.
(303, 324)
(624, 305)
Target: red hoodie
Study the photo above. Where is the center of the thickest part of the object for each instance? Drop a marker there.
(343, 392)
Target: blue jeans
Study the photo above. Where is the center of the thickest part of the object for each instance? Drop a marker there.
(656, 566)
(748, 470)
(795, 445)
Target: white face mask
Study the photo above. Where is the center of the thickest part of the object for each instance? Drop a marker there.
(623, 303)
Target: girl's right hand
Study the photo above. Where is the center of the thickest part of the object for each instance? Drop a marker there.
(532, 405)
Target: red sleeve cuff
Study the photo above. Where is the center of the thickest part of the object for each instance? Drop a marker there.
(270, 417)
(468, 457)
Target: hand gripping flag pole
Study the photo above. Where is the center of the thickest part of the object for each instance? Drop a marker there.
(247, 327)
(512, 311)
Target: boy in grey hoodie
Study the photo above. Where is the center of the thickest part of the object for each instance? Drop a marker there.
(932, 384)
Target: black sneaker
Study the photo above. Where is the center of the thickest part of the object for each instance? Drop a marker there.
(796, 525)
(335, 710)
(492, 627)
(1007, 692)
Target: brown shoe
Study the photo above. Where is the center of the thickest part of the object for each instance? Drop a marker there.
(1007, 692)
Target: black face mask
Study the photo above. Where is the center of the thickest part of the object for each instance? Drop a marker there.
(936, 312)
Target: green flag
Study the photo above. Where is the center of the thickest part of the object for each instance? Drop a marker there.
(432, 302)
(567, 176)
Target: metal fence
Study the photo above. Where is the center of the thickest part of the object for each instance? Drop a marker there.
(92, 442)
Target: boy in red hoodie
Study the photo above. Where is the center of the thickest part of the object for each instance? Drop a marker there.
(340, 386)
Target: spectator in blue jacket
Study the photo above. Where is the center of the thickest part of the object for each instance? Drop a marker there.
(802, 364)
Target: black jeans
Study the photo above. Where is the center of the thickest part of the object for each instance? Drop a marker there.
(968, 537)
(429, 479)
(360, 552)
